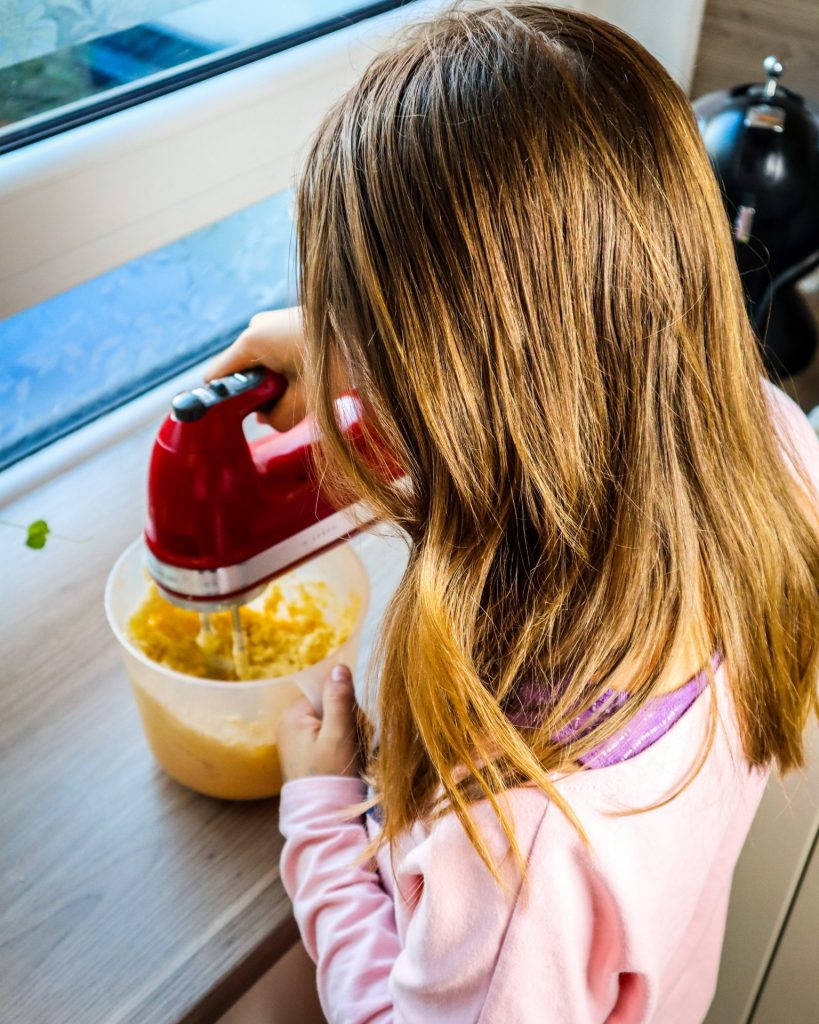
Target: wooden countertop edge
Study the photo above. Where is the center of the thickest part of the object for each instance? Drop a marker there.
(166, 999)
(242, 978)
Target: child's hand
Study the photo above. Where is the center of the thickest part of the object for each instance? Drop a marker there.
(309, 745)
(274, 339)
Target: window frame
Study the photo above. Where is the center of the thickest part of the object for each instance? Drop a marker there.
(109, 101)
(77, 204)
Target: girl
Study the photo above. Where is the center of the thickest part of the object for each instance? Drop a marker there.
(513, 247)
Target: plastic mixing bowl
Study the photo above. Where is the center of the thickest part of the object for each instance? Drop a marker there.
(219, 737)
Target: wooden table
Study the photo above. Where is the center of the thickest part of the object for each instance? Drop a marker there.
(123, 896)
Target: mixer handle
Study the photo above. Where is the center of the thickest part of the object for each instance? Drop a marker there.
(261, 389)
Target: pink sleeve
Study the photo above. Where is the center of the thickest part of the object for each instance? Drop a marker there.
(449, 963)
(454, 913)
(456, 919)
(479, 952)
(345, 917)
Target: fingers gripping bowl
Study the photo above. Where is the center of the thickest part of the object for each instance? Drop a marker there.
(218, 737)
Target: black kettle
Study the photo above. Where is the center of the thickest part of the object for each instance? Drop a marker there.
(763, 142)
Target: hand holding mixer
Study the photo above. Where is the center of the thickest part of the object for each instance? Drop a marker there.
(227, 515)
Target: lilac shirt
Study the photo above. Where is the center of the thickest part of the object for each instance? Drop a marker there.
(650, 723)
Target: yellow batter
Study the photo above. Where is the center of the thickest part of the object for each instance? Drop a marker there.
(228, 755)
(285, 635)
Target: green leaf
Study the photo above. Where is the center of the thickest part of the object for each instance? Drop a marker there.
(36, 534)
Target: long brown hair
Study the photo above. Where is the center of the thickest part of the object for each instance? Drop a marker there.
(514, 248)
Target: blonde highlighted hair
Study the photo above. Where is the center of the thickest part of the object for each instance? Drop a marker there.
(513, 247)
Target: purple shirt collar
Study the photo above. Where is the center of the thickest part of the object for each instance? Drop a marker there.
(647, 726)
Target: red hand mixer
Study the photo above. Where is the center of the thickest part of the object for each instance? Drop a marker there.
(227, 515)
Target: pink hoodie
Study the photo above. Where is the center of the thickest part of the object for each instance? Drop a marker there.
(629, 929)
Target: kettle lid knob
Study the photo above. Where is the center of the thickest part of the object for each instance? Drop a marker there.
(773, 69)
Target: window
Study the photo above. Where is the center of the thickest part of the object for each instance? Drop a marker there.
(77, 355)
(65, 62)
(144, 239)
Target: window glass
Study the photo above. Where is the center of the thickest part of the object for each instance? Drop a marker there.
(79, 354)
(67, 61)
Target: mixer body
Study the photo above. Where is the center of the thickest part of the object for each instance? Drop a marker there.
(227, 515)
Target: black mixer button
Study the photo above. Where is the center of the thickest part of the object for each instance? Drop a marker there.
(188, 407)
(220, 388)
